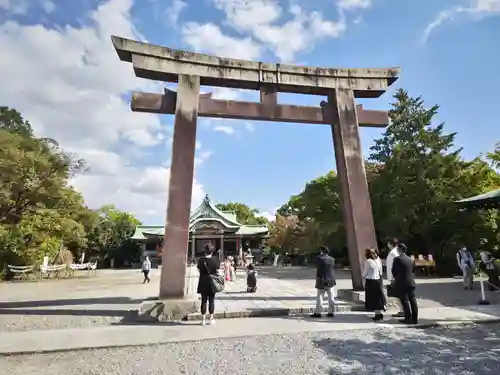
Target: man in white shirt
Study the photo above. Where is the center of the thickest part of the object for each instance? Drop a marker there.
(465, 261)
(146, 269)
(393, 253)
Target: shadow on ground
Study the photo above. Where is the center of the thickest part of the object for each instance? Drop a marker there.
(465, 350)
(100, 307)
(297, 273)
(431, 292)
(69, 302)
(252, 297)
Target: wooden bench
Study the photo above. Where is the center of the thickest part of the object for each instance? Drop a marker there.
(21, 272)
(91, 267)
(55, 269)
(424, 266)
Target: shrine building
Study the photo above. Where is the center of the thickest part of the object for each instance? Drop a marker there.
(207, 225)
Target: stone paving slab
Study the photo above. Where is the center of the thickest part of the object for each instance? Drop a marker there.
(274, 297)
(15, 343)
(113, 296)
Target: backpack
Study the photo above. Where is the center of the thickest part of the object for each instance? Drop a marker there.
(460, 258)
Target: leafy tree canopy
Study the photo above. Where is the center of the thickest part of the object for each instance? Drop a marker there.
(40, 213)
(415, 173)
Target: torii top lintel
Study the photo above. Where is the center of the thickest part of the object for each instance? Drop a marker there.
(165, 64)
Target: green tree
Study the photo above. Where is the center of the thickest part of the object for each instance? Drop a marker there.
(244, 214)
(319, 207)
(12, 121)
(422, 174)
(109, 236)
(494, 156)
(40, 214)
(415, 174)
(33, 173)
(287, 234)
(35, 200)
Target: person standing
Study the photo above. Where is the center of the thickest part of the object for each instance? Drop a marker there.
(232, 268)
(325, 281)
(393, 254)
(465, 261)
(374, 294)
(251, 279)
(488, 265)
(404, 285)
(146, 269)
(208, 266)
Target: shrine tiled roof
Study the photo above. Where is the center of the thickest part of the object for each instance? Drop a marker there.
(491, 199)
(206, 211)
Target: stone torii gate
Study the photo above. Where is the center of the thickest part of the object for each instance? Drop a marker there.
(190, 70)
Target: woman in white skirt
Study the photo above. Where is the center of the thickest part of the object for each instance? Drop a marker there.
(374, 293)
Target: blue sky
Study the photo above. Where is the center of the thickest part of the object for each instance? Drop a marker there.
(448, 51)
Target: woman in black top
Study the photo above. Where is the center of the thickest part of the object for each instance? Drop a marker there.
(207, 265)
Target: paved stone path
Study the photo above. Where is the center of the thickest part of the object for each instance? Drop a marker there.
(134, 335)
(114, 295)
(273, 292)
(389, 351)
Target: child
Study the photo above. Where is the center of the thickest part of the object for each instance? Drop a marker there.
(251, 279)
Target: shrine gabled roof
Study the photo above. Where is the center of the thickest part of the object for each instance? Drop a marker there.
(491, 199)
(142, 230)
(248, 230)
(208, 211)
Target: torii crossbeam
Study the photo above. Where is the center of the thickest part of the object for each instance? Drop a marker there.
(263, 111)
(190, 70)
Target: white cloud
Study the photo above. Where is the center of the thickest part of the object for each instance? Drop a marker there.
(475, 10)
(174, 10)
(209, 38)
(224, 129)
(259, 18)
(18, 7)
(48, 6)
(131, 188)
(21, 7)
(249, 126)
(69, 82)
(269, 215)
(354, 4)
(225, 93)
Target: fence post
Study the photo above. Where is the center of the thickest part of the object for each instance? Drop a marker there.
(483, 300)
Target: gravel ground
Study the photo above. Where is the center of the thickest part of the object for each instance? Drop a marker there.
(19, 323)
(461, 351)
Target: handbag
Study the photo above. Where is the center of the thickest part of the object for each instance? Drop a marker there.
(216, 281)
(391, 292)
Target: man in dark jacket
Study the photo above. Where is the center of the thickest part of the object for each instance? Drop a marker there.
(404, 285)
(325, 281)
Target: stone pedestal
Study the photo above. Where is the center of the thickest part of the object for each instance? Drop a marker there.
(173, 309)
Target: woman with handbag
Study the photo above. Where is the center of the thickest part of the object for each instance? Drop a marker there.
(209, 284)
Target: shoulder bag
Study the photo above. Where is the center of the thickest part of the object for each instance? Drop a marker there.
(216, 280)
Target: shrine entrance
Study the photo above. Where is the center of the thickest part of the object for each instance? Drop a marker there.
(190, 70)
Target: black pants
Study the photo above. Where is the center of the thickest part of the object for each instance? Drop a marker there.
(146, 276)
(409, 303)
(210, 298)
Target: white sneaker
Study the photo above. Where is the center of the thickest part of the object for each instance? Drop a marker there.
(212, 321)
(203, 322)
